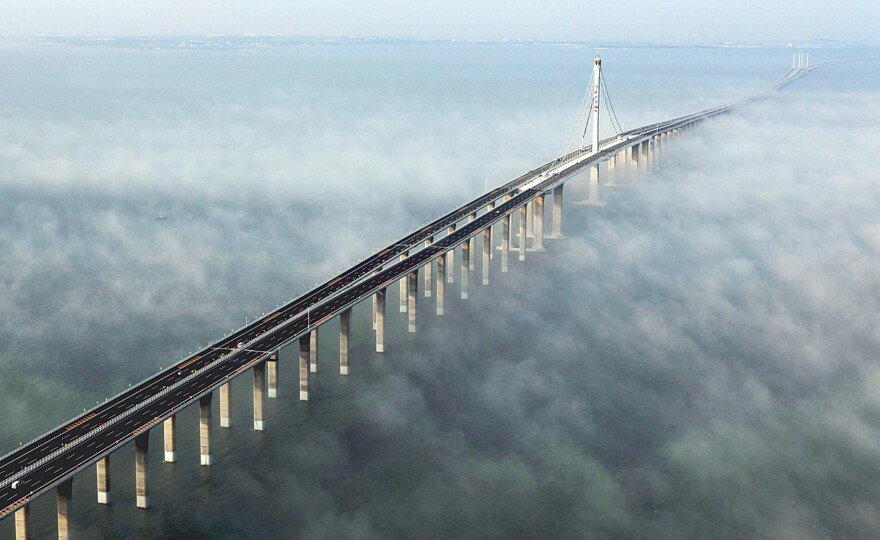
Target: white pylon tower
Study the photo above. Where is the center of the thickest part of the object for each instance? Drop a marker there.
(593, 181)
(597, 73)
(579, 138)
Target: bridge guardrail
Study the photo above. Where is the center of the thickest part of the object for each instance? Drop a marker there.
(120, 417)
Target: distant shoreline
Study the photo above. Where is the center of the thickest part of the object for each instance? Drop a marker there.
(256, 42)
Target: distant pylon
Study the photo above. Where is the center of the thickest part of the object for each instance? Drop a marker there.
(597, 72)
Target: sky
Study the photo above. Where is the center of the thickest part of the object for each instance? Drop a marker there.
(603, 20)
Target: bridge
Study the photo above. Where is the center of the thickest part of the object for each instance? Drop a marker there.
(421, 264)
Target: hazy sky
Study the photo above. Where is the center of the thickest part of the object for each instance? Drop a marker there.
(530, 19)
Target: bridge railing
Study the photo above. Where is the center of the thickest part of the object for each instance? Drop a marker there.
(126, 414)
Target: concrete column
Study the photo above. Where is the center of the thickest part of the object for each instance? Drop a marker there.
(487, 253)
(593, 188)
(344, 340)
(473, 244)
(664, 139)
(205, 428)
(272, 375)
(441, 280)
(633, 160)
(538, 217)
(103, 472)
(643, 159)
(141, 453)
(522, 232)
(489, 208)
(413, 292)
(612, 165)
(450, 258)
(655, 151)
(530, 219)
(656, 155)
(169, 425)
(23, 523)
(402, 287)
(465, 264)
(380, 320)
(664, 144)
(557, 212)
(259, 385)
(225, 406)
(313, 351)
(505, 242)
(63, 493)
(376, 271)
(304, 356)
(429, 272)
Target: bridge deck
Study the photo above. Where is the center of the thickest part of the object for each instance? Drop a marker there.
(59, 454)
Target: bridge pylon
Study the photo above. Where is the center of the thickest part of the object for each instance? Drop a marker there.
(593, 120)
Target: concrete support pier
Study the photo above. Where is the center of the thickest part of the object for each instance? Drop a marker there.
(664, 140)
(487, 253)
(205, 428)
(473, 242)
(169, 427)
(376, 271)
(259, 385)
(225, 406)
(141, 461)
(450, 258)
(441, 280)
(313, 351)
(643, 160)
(344, 340)
(402, 287)
(380, 321)
(557, 212)
(593, 188)
(633, 152)
(522, 233)
(272, 375)
(304, 356)
(63, 494)
(530, 219)
(23, 523)
(412, 280)
(611, 171)
(489, 208)
(102, 468)
(505, 242)
(538, 217)
(429, 272)
(465, 265)
(653, 152)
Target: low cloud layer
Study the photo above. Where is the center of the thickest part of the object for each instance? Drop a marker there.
(697, 359)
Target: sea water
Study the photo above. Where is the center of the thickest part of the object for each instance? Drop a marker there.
(696, 359)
